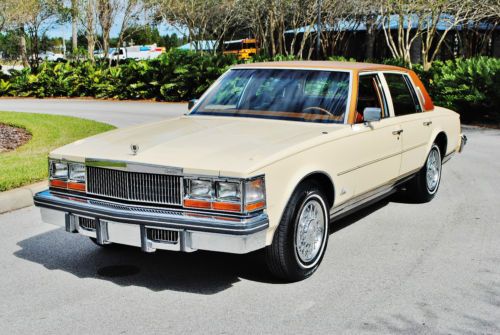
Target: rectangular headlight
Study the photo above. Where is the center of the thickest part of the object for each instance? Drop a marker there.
(228, 191)
(225, 195)
(58, 170)
(77, 172)
(200, 189)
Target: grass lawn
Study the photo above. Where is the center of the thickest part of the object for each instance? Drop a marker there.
(28, 163)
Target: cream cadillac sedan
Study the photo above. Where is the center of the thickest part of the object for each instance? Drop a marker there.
(266, 159)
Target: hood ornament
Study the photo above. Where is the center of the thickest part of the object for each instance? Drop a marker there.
(134, 148)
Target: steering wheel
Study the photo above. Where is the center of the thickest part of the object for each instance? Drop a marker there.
(320, 109)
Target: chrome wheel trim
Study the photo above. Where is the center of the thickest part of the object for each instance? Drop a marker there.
(433, 170)
(310, 231)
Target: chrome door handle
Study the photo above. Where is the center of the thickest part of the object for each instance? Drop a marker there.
(427, 123)
(397, 132)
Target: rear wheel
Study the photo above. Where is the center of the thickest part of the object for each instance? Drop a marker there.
(300, 240)
(425, 185)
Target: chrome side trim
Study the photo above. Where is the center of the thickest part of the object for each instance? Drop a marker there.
(448, 157)
(155, 217)
(361, 203)
(381, 159)
(370, 196)
(368, 163)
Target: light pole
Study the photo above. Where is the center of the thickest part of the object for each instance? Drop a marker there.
(318, 31)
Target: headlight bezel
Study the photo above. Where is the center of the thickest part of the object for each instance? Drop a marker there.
(65, 181)
(238, 203)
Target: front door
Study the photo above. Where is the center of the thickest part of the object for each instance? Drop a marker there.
(376, 145)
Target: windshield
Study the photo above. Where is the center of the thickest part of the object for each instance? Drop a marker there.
(283, 94)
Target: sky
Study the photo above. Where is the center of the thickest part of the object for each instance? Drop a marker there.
(65, 30)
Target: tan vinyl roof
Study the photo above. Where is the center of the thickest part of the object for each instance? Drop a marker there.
(323, 65)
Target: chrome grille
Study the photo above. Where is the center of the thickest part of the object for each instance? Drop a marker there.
(86, 223)
(162, 235)
(135, 186)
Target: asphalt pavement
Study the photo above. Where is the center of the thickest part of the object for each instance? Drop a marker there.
(117, 113)
(395, 267)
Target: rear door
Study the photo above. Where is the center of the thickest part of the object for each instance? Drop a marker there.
(415, 124)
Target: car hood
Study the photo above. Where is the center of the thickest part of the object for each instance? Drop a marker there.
(226, 146)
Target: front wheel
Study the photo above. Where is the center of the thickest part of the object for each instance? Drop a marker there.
(425, 185)
(300, 240)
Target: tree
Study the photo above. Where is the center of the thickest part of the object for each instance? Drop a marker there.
(202, 19)
(407, 16)
(30, 18)
(74, 26)
(427, 22)
(132, 10)
(340, 17)
(89, 23)
(449, 14)
(106, 12)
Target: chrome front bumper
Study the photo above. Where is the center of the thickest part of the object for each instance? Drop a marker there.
(131, 225)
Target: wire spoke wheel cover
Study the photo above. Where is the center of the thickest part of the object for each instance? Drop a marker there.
(433, 170)
(310, 231)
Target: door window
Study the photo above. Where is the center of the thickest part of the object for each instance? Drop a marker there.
(403, 96)
(369, 95)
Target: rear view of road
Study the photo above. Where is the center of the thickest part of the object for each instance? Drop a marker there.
(117, 113)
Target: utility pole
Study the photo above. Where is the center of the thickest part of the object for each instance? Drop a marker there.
(318, 30)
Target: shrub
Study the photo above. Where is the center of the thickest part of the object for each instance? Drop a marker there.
(470, 86)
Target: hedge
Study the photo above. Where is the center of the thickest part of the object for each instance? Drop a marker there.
(469, 86)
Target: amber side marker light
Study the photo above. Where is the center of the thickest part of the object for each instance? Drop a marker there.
(255, 206)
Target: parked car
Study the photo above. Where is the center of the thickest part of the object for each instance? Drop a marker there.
(267, 158)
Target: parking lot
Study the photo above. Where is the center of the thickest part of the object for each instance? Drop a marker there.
(395, 267)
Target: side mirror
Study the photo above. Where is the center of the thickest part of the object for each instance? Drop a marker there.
(191, 103)
(371, 114)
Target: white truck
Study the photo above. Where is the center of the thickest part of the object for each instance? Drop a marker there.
(134, 52)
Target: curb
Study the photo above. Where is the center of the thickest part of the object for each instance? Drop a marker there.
(20, 197)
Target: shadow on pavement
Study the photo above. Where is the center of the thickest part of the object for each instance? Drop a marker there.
(199, 272)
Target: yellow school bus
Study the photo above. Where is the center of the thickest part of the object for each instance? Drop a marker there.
(243, 49)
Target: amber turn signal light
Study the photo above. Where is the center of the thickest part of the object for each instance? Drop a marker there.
(58, 183)
(226, 206)
(76, 187)
(194, 203)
